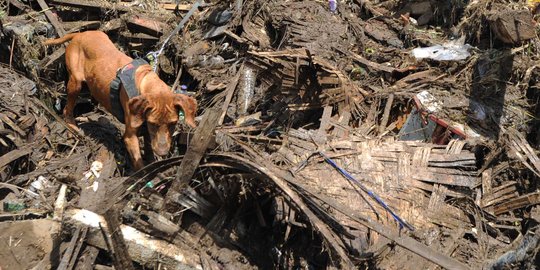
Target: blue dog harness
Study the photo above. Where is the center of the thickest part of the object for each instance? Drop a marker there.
(124, 76)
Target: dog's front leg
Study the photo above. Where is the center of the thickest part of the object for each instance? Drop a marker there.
(132, 145)
(148, 152)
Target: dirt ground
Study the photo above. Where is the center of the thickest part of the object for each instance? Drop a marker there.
(24, 244)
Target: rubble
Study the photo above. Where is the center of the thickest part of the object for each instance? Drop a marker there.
(331, 134)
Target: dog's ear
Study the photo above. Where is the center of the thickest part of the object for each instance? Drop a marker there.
(189, 106)
(137, 110)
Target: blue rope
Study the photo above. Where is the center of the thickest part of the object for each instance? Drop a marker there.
(399, 220)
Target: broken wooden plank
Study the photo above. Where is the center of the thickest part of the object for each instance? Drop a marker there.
(15, 154)
(94, 200)
(112, 25)
(171, 6)
(79, 26)
(230, 92)
(368, 63)
(85, 4)
(70, 255)
(386, 114)
(120, 254)
(519, 202)
(341, 128)
(142, 248)
(87, 258)
(140, 37)
(201, 139)
(325, 120)
(500, 194)
(4, 118)
(146, 25)
(452, 180)
(51, 58)
(487, 186)
(524, 151)
(52, 18)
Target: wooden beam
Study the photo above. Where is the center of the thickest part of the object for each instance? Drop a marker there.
(201, 139)
(121, 6)
(52, 18)
(91, 5)
(78, 26)
(120, 253)
(143, 248)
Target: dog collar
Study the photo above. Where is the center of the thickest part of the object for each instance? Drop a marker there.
(125, 76)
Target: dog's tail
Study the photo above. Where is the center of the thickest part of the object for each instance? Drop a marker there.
(56, 41)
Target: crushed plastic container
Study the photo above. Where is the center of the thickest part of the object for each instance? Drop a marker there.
(447, 52)
(39, 184)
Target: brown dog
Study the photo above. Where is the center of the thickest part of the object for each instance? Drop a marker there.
(92, 58)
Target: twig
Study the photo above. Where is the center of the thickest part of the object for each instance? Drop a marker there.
(11, 51)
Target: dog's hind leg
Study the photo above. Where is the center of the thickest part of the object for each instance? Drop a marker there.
(73, 89)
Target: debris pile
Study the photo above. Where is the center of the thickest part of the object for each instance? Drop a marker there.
(339, 134)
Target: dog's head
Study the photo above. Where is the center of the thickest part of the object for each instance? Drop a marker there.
(161, 113)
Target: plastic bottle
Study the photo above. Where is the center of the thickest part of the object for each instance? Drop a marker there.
(247, 89)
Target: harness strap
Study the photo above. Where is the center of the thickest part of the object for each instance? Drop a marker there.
(124, 76)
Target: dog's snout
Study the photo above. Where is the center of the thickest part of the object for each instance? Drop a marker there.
(161, 151)
(162, 145)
